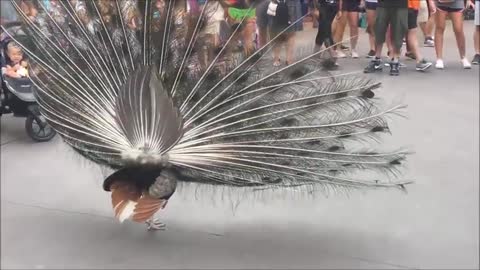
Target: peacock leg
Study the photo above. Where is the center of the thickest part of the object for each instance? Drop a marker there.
(154, 224)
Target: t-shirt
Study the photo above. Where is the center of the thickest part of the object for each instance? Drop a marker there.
(393, 3)
(456, 4)
(414, 4)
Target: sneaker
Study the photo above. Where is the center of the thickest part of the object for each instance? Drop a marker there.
(394, 69)
(374, 65)
(466, 64)
(423, 65)
(341, 54)
(429, 42)
(354, 54)
(371, 54)
(411, 55)
(476, 59)
(439, 64)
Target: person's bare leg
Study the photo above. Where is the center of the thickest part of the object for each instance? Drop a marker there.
(378, 50)
(457, 23)
(423, 27)
(371, 26)
(262, 36)
(340, 25)
(247, 35)
(290, 48)
(440, 21)
(277, 49)
(413, 44)
(389, 42)
(476, 39)
(353, 25)
(429, 26)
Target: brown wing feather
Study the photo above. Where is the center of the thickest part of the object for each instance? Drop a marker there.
(146, 207)
(122, 193)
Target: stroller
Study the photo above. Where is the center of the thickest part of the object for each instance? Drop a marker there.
(17, 95)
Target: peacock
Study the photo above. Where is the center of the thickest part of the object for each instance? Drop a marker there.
(128, 85)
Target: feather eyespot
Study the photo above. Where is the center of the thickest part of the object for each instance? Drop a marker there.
(334, 148)
(368, 94)
(378, 129)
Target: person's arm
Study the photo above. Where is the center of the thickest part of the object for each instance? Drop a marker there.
(432, 7)
(470, 4)
(11, 72)
(316, 9)
(339, 13)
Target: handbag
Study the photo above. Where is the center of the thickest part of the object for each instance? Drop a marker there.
(272, 8)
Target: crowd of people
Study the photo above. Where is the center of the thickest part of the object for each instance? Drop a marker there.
(392, 23)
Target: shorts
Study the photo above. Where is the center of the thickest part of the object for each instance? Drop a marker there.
(371, 5)
(412, 18)
(261, 14)
(449, 9)
(351, 5)
(423, 13)
(477, 13)
(397, 18)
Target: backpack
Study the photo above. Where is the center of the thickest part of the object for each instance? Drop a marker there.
(281, 17)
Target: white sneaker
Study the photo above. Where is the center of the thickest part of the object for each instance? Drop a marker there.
(439, 64)
(354, 54)
(466, 64)
(341, 54)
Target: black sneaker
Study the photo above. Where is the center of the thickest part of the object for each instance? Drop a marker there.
(476, 59)
(371, 54)
(394, 69)
(410, 55)
(374, 65)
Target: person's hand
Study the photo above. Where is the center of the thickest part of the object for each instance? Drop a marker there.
(339, 15)
(362, 5)
(316, 14)
(12, 73)
(470, 4)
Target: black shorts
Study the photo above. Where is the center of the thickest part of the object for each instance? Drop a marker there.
(397, 19)
(412, 18)
(351, 5)
(371, 5)
(449, 9)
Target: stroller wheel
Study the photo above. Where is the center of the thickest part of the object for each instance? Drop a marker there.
(36, 132)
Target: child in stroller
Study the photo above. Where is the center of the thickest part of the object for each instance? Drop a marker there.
(17, 90)
(14, 64)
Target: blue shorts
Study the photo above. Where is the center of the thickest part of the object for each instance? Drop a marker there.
(371, 5)
(350, 5)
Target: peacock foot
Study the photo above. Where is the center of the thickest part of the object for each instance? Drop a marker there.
(155, 225)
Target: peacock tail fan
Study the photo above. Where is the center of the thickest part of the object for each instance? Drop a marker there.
(137, 83)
